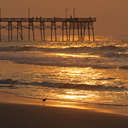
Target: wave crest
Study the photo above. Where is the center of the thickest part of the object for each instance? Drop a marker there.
(63, 85)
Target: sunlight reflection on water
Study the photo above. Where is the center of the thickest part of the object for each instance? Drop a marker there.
(75, 75)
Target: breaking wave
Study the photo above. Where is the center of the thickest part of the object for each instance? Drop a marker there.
(67, 49)
(9, 83)
(44, 60)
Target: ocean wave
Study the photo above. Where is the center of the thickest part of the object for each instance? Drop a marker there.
(124, 67)
(62, 85)
(115, 105)
(103, 51)
(82, 49)
(8, 86)
(116, 55)
(109, 78)
(44, 60)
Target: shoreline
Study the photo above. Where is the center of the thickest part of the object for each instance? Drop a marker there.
(6, 98)
(24, 113)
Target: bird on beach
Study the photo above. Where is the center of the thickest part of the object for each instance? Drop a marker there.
(44, 99)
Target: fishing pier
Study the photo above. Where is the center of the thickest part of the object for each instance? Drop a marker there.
(47, 29)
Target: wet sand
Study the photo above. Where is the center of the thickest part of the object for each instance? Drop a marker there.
(30, 116)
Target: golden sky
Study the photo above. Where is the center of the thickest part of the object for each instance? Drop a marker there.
(112, 16)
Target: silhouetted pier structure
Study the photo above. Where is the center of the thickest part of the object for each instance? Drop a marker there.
(49, 29)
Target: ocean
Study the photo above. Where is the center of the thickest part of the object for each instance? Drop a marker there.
(80, 72)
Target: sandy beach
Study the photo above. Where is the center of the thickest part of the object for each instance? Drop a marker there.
(28, 116)
(22, 114)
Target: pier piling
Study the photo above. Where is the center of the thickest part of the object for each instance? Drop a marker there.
(70, 29)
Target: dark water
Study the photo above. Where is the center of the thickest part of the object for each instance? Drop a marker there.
(90, 72)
